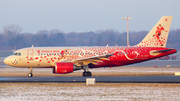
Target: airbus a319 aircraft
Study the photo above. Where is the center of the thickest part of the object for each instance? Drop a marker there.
(68, 59)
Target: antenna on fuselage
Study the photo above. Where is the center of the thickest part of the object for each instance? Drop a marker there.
(107, 45)
(32, 46)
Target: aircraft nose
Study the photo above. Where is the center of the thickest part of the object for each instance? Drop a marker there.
(8, 61)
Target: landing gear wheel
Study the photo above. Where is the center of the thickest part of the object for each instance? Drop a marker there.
(30, 75)
(87, 74)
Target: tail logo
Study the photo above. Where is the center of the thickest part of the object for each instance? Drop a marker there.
(158, 33)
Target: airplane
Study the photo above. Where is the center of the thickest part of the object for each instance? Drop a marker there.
(65, 60)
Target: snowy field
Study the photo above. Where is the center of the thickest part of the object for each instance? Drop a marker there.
(98, 92)
(80, 91)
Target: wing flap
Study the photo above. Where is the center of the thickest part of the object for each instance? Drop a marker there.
(92, 60)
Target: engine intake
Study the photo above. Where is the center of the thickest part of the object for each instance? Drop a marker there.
(64, 68)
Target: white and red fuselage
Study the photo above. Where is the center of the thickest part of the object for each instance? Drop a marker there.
(48, 56)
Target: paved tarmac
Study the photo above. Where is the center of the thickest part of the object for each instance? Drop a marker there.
(154, 79)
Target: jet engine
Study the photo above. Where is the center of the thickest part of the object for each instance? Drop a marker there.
(65, 67)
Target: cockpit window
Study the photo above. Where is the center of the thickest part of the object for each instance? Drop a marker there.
(17, 54)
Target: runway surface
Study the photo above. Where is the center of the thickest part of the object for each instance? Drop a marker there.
(154, 79)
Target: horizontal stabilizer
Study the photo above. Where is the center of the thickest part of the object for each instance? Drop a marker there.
(157, 52)
(162, 51)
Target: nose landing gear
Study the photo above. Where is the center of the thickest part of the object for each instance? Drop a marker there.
(30, 74)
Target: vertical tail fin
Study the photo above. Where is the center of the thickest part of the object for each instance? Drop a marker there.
(158, 35)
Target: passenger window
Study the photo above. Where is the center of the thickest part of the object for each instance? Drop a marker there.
(19, 54)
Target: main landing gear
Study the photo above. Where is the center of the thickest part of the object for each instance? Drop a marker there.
(30, 74)
(86, 72)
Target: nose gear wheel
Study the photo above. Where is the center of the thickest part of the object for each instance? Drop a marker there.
(30, 74)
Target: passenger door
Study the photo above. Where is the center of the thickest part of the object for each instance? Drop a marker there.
(30, 54)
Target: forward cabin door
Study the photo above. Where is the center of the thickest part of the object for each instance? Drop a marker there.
(30, 54)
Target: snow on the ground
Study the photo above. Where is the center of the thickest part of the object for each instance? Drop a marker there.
(55, 92)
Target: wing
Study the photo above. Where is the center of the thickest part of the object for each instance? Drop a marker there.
(92, 60)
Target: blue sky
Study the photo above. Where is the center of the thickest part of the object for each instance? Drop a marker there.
(86, 15)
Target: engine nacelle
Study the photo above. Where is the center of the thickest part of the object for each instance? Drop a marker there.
(65, 67)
